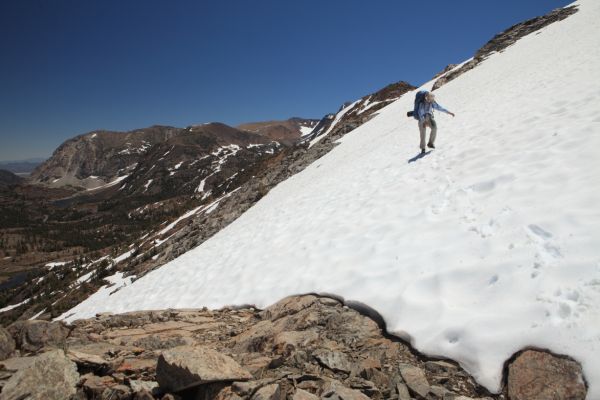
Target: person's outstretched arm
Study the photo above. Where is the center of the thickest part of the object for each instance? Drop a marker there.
(442, 109)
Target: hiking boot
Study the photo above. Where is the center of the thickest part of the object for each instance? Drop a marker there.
(422, 151)
(430, 145)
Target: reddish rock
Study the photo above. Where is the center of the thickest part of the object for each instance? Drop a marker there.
(538, 375)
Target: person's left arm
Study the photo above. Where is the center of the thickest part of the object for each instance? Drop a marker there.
(442, 109)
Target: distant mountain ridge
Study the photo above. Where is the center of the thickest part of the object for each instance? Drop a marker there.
(98, 158)
(93, 159)
(286, 132)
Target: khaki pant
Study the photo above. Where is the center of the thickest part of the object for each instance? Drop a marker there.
(428, 121)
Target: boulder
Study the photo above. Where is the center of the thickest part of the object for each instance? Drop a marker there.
(415, 379)
(7, 344)
(51, 376)
(537, 375)
(269, 392)
(184, 367)
(32, 336)
(85, 360)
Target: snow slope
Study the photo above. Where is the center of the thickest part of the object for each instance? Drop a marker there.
(484, 246)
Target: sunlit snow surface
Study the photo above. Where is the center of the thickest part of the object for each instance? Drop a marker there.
(485, 246)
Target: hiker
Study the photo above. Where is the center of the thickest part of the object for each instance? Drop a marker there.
(425, 116)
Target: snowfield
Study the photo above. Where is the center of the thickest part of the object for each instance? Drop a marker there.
(487, 245)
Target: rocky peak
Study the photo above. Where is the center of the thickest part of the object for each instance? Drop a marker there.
(97, 158)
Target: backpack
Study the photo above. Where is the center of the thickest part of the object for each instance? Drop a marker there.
(419, 98)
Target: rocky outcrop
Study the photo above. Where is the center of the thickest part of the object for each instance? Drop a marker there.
(351, 115)
(303, 347)
(31, 336)
(538, 375)
(98, 157)
(50, 376)
(504, 39)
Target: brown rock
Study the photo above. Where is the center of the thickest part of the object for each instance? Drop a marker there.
(86, 360)
(94, 386)
(50, 376)
(336, 391)
(7, 344)
(289, 305)
(402, 390)
(254, 362)
(415, 379)
(132, 365)
(255, 339)
(185, 367)
(334, 360)
(269, 392)
(538, 375)
(304, 395)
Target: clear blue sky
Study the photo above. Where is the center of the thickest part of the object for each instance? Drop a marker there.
(71, 66)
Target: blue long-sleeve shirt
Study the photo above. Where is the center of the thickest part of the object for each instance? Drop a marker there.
(427, 108)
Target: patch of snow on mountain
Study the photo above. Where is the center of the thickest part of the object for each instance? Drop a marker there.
(124, 256)
(115, 282)
(8, 308)
(37, 315)
(305, 130)
(109, 184)
(51, 265)
(338, 117)
(85, 277)
(362, 110)
(485, 246)
(147, 185)
(178, 220)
